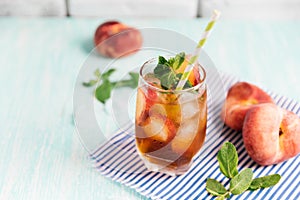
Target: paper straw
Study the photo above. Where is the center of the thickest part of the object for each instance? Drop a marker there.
(198, 49)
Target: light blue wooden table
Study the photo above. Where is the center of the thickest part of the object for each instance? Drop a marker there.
(41, 156)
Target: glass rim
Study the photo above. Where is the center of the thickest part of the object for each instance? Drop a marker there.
(202, 81)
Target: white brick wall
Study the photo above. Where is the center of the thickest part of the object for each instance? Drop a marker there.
(33, 7)
(237, 9)
(252, 9)
(134, 8)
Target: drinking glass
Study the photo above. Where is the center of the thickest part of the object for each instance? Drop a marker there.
(170, 125)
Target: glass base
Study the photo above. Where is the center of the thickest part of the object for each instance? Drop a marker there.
(164, 166)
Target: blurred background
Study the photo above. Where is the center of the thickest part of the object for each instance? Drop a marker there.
(241, 9)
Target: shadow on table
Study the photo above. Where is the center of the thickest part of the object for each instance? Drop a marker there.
(87, 45)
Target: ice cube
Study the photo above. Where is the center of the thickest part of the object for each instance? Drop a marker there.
(154, 126)
(189, 105)
(185, 135)
(157, 128)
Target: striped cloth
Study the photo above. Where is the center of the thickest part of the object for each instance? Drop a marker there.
(118, 160)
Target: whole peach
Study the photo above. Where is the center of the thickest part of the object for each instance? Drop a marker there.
(240, 98)
(271, 134)
(114, 39)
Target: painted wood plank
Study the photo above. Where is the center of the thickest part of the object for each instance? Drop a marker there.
(41, 156)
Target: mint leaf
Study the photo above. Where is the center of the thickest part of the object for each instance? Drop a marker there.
(90, 83)
(214, 187)
(228, 160)
(168, 81)
(265, 181)
(132, 82)
(134, 77)
(179, 59)
(187, 84)
(165, 71)
(161, 70)
(162, 60)
(241, 182)
(93, 82)
(107, 74)
(97, 73)
(166, 76)
(103, 92)
(171, 62)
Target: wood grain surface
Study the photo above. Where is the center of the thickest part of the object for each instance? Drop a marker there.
(41, 156)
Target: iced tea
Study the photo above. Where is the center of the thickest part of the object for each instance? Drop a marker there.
(170, 125)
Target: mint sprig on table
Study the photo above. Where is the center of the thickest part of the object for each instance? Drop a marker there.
(103, 91)
(165, 71)
(239, 182)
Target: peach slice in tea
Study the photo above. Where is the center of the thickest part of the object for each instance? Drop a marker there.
(159, 128)
(157, 109)
(140, 107)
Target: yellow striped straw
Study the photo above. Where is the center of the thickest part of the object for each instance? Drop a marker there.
(194, 58)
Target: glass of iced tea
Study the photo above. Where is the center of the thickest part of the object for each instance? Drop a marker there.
(170, 124)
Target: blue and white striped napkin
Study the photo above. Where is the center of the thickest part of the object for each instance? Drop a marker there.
(118, 160)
